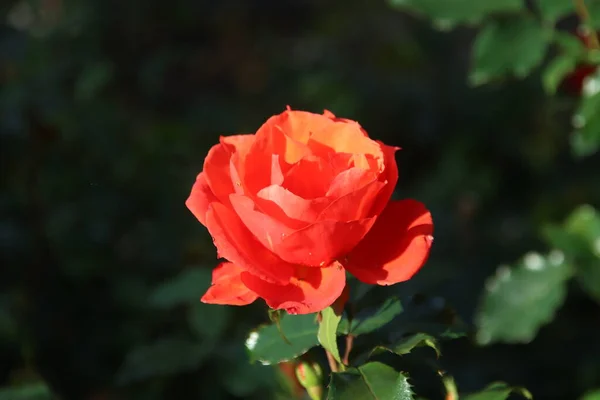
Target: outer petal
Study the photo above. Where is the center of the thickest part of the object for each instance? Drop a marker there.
(235, 243)
(227, 287)
(389, 176)
(322, 242)
(311, 289)
(396, 247)
(354, 205)
(200, 198)
(220, 171)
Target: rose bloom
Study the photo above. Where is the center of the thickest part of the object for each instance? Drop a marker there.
(296, 205)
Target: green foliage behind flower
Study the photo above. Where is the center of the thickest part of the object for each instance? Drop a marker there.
(107, 107)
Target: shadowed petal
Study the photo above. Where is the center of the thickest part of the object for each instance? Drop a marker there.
(322, 242)
(237, 244)
(227, 287)
(221, 173)
(311, 289)
(396, 247)
(200, 198)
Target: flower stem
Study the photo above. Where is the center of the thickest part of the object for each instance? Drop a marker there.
(332, 363)
(584, 16)
(348, 349)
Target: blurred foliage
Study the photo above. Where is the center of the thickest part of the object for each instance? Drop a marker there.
(107, 109)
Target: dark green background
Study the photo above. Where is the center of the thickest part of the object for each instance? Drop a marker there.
(107, 109)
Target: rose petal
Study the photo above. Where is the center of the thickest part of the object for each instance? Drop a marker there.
(355, 205)
(349, 181)
(389, 176)
(267, 230)
(258, 163)
(200, 198)
(322, 242)
(396, 247)
(288, 208)
(312, 176)
(227, 287)
(218, 166)
(217, 172)
(343, 137)
(299, 125)
(237, 244)
(309, 178)
(311, 289)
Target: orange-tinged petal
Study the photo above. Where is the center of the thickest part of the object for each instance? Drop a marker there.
(258, 164)
(342, 137)
(237, 244)
(227, 287)
(396, 247)
(200, 198)
(299, 125)
(311, 289)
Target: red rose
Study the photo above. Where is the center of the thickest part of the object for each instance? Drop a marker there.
(299, 203)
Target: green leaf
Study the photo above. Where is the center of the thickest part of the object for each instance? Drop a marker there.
(585, 140)
(92, 80)
(208, 320)
(275, 317)
(497, 391)
(552, 10)
(407, 344)
(518, 301)
(31, 391)
(556, 71)
(584, 224)
(570, 44)
(593, 395)
(593, 7)
(8, 324)
(327, 332)
(163, 357)
(579, 239)
(267, 346)
(457, 11)
(509, 47)
(187, 287)
(241, 378)
(371, 319)
(371, 381)
(588, 276)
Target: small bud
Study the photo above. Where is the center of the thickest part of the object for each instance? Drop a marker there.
(309, 374)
